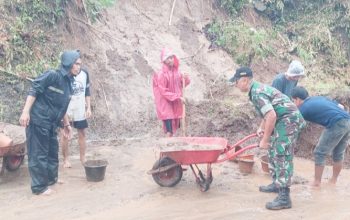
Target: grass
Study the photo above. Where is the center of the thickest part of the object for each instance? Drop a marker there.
(28, 44)
(317, 32)
(28, 50)
(241, 40)
(95, 7)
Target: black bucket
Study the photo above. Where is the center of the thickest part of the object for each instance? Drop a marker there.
(95, 170)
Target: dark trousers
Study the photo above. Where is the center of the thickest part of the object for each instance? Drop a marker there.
(42, 147)
(168, 125)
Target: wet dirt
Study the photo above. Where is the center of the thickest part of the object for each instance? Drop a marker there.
(127, 192)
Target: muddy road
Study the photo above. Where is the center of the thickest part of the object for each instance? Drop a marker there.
(127, 192)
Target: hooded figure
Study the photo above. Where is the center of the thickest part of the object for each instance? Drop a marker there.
(167, 89)
(286, 82)
(45, 107)
(68, 58)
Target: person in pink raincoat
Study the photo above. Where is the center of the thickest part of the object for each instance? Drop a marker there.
(167, 89)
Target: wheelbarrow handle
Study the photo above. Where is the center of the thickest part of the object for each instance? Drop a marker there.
(231, 154)
(230, 150)
(244, 140)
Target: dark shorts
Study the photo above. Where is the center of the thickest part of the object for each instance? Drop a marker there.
(79, 124)
(168, 125)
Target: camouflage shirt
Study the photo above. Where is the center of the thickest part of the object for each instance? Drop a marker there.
(266, 98)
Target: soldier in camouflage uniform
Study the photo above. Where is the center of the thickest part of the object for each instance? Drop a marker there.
(279, 131)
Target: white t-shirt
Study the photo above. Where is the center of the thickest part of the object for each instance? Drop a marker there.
(81, 89)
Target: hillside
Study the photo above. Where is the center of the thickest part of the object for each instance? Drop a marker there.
(121, 51)
(120, 41)
(122, 60)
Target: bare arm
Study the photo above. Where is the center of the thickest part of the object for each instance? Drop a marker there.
(25, 116)
(67, 130)
(65, 120)
(260, 130)
(88, 106)
(270, 121)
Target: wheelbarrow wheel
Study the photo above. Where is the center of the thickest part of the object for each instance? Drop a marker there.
(167, 178)
(13, 162)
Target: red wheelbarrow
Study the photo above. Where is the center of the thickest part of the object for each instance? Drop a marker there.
(167, 170)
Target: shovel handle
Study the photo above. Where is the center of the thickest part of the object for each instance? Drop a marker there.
(183, 119)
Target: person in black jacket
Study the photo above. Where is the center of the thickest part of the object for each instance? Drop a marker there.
(45, 107)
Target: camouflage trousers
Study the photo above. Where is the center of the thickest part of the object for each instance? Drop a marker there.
(281, 152)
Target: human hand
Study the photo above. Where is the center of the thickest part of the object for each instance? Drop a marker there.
(264, 144)
(260, 132)
(67, 132)
(259, 152)
(88, 113)
(24, 119)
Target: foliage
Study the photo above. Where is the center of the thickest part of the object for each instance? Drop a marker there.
(48, 12)
(319, 33)
(315, 31)
(232, 7)
(242, 41)
(28, 50)
(95, 7)
(342, 16)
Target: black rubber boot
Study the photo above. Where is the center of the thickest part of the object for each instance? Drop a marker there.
(272, 188)
(282, 201)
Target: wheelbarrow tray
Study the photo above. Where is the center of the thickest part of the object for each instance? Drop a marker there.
(4, 151)
(17, 134)
(194, 150)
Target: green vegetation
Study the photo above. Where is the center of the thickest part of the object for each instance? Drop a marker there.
(28, 50)
(315, 31)
(319, 30)
(242, 41)
(95, 7)
(48, 12)
(28, 41)
(232, 7)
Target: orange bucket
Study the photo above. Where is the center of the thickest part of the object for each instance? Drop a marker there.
(245, 163)
(264, 163)
(246, 157)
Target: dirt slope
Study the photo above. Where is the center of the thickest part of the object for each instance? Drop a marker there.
(123, 51)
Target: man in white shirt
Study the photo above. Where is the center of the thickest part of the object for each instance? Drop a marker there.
(79, 110)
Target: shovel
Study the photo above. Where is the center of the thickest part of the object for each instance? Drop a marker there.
(183, 119)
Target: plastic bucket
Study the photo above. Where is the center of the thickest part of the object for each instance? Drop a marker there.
(264, 163)
(245, 165)
(246, 157)
(95, 170)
